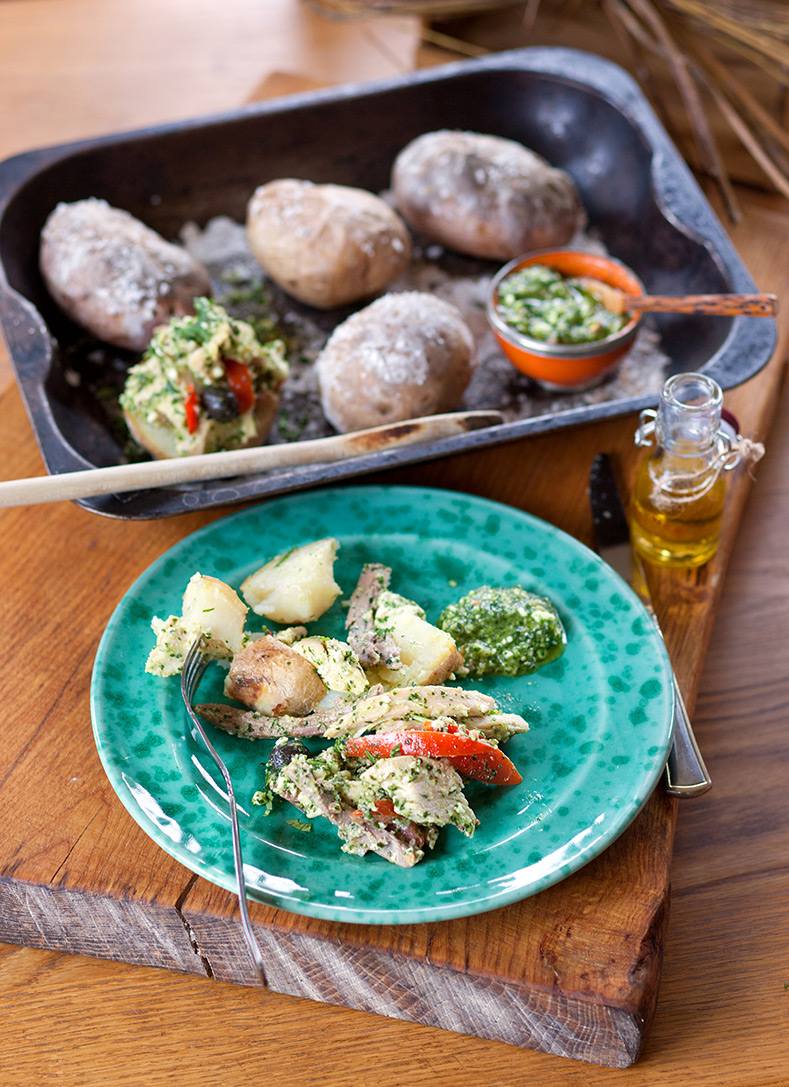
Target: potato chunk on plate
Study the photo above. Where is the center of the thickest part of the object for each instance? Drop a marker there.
(270, 677)
(211, 608)
(297, 586)
(427, 655)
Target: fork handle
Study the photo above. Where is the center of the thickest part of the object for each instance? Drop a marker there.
(253, 947)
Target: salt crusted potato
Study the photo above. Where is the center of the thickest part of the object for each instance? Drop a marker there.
(405, 355)
(296, 587)
(115, 276)
(326, 245)
(270, 677)
(484, 195)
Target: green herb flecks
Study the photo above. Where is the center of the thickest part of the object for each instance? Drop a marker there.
(504, 631)
(541, 303)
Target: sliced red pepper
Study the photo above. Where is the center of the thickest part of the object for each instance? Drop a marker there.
(190, 407)
(240, 381)
(474, 758)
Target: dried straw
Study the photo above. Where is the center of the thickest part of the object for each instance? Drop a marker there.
(684, 34)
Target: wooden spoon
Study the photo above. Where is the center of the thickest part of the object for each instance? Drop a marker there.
(724, 305)
(240, 462)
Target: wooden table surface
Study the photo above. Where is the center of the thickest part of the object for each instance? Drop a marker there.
(74, 68)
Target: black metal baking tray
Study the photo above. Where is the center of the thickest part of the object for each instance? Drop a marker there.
(579, 111)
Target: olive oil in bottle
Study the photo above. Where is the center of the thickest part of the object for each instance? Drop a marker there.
(680, 488)
(681, 529)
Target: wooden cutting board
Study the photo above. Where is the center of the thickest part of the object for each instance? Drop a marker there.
(572, 971)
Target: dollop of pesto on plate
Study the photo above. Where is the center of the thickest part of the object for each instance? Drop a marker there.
(504, 631)
(541, 303)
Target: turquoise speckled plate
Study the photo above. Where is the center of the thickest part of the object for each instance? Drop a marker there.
(600, 716)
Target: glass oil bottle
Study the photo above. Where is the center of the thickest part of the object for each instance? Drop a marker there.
(680, 487)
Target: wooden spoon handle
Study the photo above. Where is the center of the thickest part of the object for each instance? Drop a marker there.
(120, 478)
(726, 305)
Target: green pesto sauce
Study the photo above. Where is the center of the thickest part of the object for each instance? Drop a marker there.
(504, 631)
(541, 303)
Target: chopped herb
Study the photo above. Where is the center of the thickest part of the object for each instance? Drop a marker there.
(264, 798)
(541, 303)
(504, 631)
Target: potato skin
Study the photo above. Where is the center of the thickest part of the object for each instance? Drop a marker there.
(274, 679)
(403, 356)
(115, 276)
(484, 196)
(326, 245)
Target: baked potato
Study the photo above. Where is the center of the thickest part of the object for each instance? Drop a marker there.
(270, 677)
(115, 276)
(326, 245)
(405, 355)
(484, 196)
(205, 383)
(297, 586)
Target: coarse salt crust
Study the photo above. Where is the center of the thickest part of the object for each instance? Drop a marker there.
(406, 354)
(482, 195)
(111, 273)
(327, 245)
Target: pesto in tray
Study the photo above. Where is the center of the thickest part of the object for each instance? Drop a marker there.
(541, 303)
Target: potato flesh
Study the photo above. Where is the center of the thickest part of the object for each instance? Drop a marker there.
(297, 587)
(162, 440)
(213, 607)
(428, 654)
(210, 608)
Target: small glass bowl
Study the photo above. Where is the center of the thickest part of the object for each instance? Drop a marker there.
(567, 367)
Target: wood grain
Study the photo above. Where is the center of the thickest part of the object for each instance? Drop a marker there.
(722, 1008)
(88, 881)
(588, 957)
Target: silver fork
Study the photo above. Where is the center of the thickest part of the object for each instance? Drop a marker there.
(193, 669)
